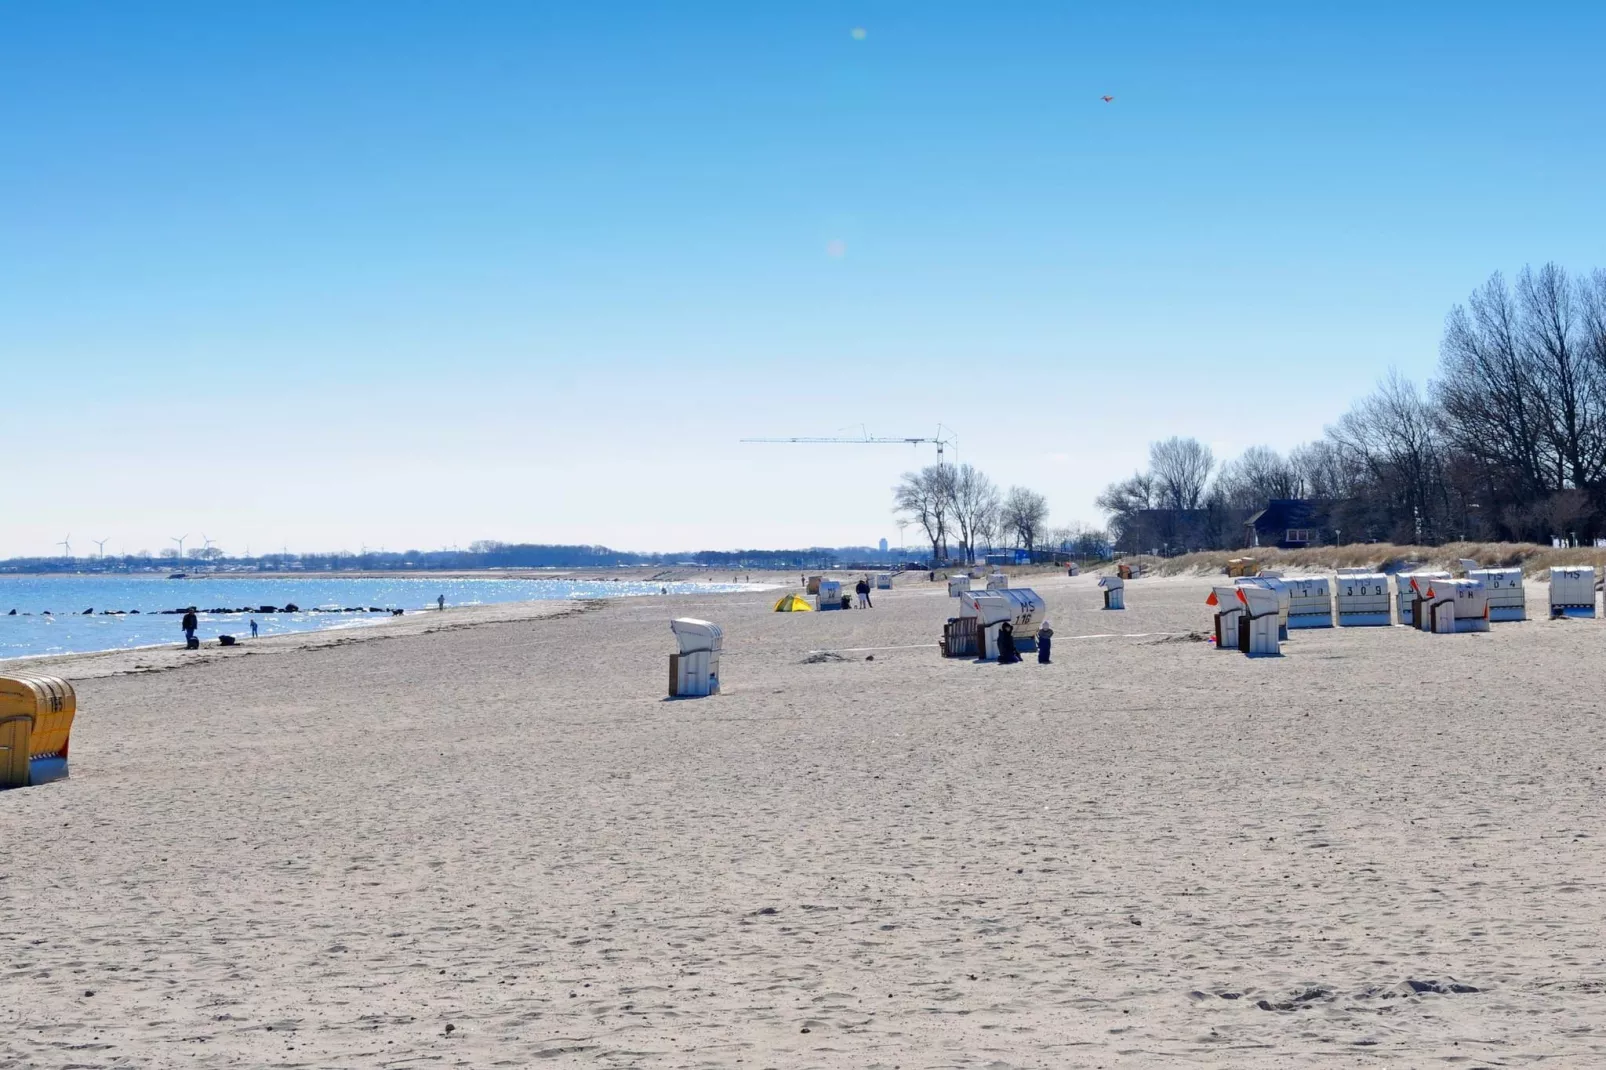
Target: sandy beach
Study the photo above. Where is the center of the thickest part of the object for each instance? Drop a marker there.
(486, 838)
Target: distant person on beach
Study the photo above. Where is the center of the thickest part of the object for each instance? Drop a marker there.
(189, 624)
(862, 589)
(440, 602)
(253, 628)
(1045, 639)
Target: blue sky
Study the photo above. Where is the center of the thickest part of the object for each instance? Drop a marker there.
(411, 274)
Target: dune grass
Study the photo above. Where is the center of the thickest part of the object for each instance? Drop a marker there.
(1532, 558)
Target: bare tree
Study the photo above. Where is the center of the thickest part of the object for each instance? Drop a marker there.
(925, 498)
(1127, 502)
(1563, 512)
(1256, 476)
(1181, 469)
(1491, 395)
(1128, 496)
(1392, 435)
(1592, 316)
(974, 505)
(1025, 514)
(1509, 441)
(1571, 387)
(989, 524)
(1522, 390)
(1089, 541)
(1322, 470)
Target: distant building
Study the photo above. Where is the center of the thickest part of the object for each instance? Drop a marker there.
(883, 545)
(1291, 524)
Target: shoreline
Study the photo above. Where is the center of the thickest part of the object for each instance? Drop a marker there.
(14, 660)
(413, 622)
(639, 573)
(161, 657)
(340, 620)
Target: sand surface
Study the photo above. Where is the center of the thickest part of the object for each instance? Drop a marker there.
(466, 841)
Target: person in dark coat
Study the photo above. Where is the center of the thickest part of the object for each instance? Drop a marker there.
(1007, 654)
(1045, 638)
(189, 624)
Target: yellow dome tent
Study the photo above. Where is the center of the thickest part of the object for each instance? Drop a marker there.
(793, 603)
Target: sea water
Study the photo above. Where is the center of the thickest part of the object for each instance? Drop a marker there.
(51, 619)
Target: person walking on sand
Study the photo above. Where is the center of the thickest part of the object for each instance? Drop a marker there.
(189, 624)
(440, 602)
(253, 627)
(1045, 639)
(862, 589)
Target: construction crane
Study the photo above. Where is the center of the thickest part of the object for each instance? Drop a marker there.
(942, 439)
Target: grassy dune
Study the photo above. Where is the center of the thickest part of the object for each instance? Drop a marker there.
(1532, 558)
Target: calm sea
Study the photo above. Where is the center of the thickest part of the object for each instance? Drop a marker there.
(51, 619)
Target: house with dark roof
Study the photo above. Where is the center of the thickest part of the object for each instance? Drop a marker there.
(1291, 524)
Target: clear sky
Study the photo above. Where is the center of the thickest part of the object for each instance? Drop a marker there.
(411, 274)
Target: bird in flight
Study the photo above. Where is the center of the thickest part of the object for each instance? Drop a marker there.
(1106, 99)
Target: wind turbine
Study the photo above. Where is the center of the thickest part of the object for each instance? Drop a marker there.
(207, 542)
(66, 545)
(102, 544)
(180, 540)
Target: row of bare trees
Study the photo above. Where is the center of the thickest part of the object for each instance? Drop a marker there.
(958, 506)
(1508, 442)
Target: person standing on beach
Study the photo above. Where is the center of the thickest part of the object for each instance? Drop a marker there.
(189, 624)
(1045, 639)
(253, 627)
(440, 602)
(862, 589)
